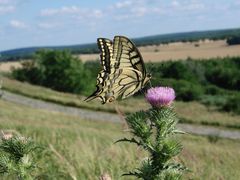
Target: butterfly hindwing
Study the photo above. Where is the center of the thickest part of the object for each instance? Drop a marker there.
(106, 53)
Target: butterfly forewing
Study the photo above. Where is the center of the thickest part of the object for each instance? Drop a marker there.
(126, 54)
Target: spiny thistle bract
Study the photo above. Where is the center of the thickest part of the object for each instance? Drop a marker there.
(154, 130)
(16, 156)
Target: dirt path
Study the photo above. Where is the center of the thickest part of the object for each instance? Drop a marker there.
(104, 116)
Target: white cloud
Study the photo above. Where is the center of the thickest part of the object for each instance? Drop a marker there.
(17, 24)
(7, 6)
(74, 11)
(188, 5)
(175, 3)
(97, 14)
(6, 9)
(4, 1)
(128, 9)
(62, 10)
(139, 11)
(123, 4)
(194, 6)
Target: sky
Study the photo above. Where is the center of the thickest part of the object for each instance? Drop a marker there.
(26, 23)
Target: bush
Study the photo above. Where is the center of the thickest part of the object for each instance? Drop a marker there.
(228, 78)
(58, 70)
(29, 72)
(232, 104)
(233, 40)
(213, 90)
(186, 91)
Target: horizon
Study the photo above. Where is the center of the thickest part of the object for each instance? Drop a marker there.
(60, 23)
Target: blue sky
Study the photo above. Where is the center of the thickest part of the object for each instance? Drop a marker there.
(25, 23)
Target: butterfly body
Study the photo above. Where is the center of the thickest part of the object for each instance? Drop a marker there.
(123, 72)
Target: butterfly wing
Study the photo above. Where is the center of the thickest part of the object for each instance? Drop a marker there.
(126, 55)
(106, 54)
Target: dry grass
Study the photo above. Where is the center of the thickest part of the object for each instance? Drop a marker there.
(176, 51)
(7, 66)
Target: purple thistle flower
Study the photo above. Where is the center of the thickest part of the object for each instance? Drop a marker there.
(160, 96)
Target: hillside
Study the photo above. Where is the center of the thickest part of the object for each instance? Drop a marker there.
(86, 148)
(21, 53)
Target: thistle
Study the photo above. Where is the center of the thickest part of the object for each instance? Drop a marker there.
(16, 156)
(153, 130)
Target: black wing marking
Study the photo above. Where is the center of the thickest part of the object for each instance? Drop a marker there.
(106, 48)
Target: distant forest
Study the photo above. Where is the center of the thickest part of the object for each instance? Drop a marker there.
(27, 53)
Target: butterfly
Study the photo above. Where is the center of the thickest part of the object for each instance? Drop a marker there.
(123, 71)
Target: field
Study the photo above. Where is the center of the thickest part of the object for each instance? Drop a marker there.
(172, 51)
(7, 66)
(84, 149)
(179, 50)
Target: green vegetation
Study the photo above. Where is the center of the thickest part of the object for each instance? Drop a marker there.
(233, 40)
(154, 131)
(212, 82)
(85, 149)
(58, 70)
(17, 157)
(26, 53)
(189, 112)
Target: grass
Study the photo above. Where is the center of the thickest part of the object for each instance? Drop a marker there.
(191, 112)
(85, 149)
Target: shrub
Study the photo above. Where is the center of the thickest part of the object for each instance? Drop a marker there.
(228, 78)
(58, 70)
(29, 72)
(213, 90)
(233, 40)
(186, 91)
(232, 104)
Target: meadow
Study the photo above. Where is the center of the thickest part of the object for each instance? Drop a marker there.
(82, 149)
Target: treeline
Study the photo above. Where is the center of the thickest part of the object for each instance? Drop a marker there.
(215, 81)
(27, 53)
(187, 37)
